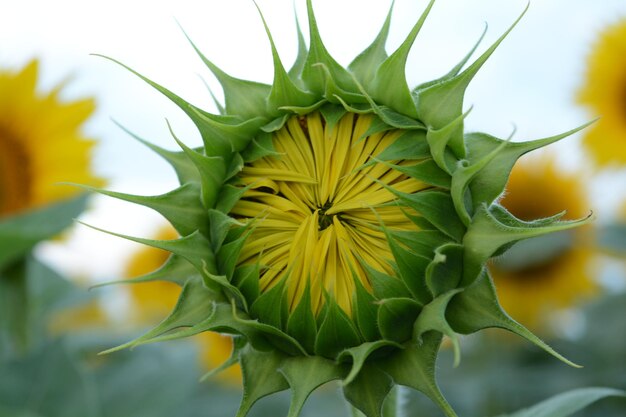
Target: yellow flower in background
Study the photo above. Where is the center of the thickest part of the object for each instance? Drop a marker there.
(561, 276)
(153, 300)
(604, 92)
(40, 143)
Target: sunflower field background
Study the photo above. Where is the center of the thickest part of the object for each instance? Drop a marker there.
(563, 65)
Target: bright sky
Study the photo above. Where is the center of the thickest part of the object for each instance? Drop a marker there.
(530, 82)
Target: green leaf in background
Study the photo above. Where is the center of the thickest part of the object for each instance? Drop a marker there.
(612, 238)
(19, 233)
(567, 403)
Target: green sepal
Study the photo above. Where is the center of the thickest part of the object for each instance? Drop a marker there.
(368, 390)
(314, 77)
(221, 282)
(212, 171)
(436, 207)
(477, 308)
(194, 306)
(332, 113)
(377, 126)
(228, 196)
(221, 134)
(238, 344)
(335, 94)
(242, 97)
(445, 271)
(396, 317)
(176, 270)
(181, 207)
(411, 269)
(305, 374)
(301, 324)
(219, 224)
(260, 376)
(246, 278)
(185, 170)
(438, 140)
(386, 286)
(456, 69)
(414, 367)
(489, 183)
(494, 228)
(421, 242)
(228, 255)
(304, 110)
(364, 66)
(567, 403)
(365, 312)
(295, 72)
(410, 145)
(284, 91)
(20, 232)
(194, 248)
(433, 317)
(440, 104)
(271, 306)
(336, 332)
(389, 85)
(426, 171)
(461, 178)
(359, 354)
(276, 124)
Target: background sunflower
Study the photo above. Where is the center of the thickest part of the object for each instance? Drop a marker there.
(41, 143)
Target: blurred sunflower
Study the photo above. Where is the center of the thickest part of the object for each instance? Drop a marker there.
(40, 143)
(155, 299)
(546, 273)
(604, 92)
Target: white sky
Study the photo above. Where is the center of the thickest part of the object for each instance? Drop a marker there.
(530, 81)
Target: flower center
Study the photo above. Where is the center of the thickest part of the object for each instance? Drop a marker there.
(14, 175)
(318, 207)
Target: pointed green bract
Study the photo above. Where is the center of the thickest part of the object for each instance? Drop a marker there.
(433, 281)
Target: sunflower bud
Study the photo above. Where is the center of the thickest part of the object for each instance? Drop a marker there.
(338, 222)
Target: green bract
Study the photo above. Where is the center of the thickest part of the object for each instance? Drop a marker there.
(436, 283)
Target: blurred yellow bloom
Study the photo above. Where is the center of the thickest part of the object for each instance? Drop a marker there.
(40, 143)
(604, 91)
(538, 189)
(154, 300)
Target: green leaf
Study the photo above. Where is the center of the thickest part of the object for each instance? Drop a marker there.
(305, 374)
(477, 308)
(412, 269)
(445, 271)
(389, 85)
(396, 317)
(426, 171)
(567, 403)
(365, 313)
(271, 306)
(260, 376)
(336, 332)
(414, 367)
(368, 390)
(332, 113)
(295, 72)
(411, 145)
(246, 278)
(359, 354)
(20, 232)
(438, 140)
(386, 286)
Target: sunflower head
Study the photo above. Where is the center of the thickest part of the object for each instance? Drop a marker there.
(338, 222)
(35, 157)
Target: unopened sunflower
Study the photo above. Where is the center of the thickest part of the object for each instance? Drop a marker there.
(553, 272)
(338, 222)
(41, 143)
(604, 92)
